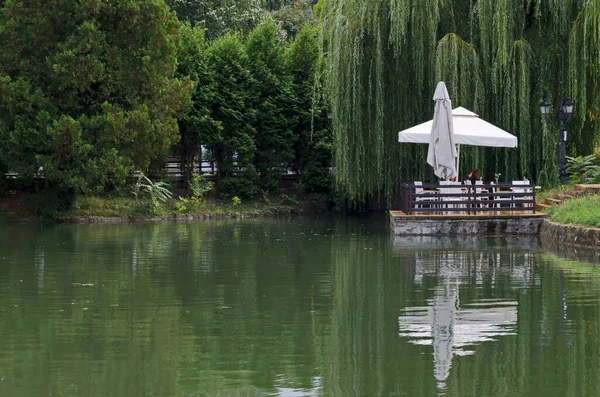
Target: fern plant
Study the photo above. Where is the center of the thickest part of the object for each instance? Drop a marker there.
(593, 177)
(199, 186)
(581, 168)
(155, 191)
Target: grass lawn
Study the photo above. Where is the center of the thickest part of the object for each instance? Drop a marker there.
(552, 192)
(583, 211)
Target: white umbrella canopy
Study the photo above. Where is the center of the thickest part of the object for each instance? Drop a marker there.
(469, 129)
(442, 150)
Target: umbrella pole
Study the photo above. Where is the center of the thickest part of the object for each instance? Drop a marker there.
(458, 162)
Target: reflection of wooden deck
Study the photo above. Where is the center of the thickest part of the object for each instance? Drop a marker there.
(479, 224)
(466, 216)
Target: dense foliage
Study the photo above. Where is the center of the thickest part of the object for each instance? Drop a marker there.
(91, 91)
(584, 169)
(87, 90)
(499, 58)
(258, 108)
(219, 17)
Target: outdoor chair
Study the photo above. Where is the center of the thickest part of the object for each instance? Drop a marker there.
(480, 198)
(521, 190)
(456, 189)
(499, 199)
(420, 190)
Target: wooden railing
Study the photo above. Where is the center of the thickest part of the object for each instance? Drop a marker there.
(430, 198)
(209, 169)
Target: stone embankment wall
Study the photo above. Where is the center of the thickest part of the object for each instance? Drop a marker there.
(575, 236)
(406, 226)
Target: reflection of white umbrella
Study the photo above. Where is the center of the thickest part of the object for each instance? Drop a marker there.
(442, 151)
(450, 329)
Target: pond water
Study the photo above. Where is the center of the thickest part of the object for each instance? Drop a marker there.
(321, 307)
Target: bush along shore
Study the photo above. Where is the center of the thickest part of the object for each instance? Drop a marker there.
(145, 199)
(109, 209)
(182, 208)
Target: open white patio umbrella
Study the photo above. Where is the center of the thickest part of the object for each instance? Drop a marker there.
(442, 152)
(469, 129)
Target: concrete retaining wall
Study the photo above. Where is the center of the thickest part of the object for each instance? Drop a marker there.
(498, 226)
(575, 236)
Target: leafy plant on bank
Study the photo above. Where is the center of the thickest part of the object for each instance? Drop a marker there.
(157, 192)
(582, 168)
(200, 186)
(243, 187)
(593, 177)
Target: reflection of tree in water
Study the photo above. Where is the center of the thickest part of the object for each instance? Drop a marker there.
(100, 329)
(354, 360)
(289, 309)
(219, 305)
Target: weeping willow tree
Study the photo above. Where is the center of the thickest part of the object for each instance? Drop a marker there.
(457, 64)
(584, 72)
(498, 58)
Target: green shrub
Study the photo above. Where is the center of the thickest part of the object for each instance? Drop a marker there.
(316, 179)
(199, 186)
(238, 186)
(582, 167)
(593, 176)
(52, 202)
(93, 104)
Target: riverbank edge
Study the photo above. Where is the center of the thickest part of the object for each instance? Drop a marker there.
(101, 219)
(97, 210)
(571, 235)
(89, 219)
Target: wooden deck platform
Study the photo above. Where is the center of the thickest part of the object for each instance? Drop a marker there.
(482, 223)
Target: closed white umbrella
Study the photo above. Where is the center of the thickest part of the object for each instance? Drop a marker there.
(442, 150)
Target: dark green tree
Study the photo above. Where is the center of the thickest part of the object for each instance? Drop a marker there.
(232, 106)
(274, 104)
(197, 127)
(87, 90)
(312, 133)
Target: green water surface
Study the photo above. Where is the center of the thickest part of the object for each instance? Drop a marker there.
(298, 307)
